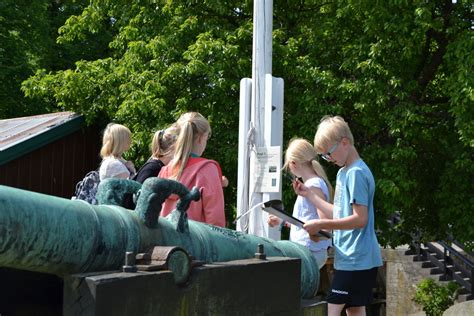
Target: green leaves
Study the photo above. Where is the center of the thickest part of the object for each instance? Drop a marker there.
(399, 72)
(435, 298)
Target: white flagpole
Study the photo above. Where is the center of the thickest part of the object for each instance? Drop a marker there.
(261, 123)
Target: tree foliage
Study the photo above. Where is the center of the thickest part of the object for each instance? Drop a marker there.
(21, 48)
(435, 298)
(28, 32)
(398, 71)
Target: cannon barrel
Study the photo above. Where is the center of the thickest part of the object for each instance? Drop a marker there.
(54, 235)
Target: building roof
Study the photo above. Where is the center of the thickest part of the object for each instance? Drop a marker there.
(19, 136)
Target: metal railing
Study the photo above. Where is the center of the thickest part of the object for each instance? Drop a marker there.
(453, 264)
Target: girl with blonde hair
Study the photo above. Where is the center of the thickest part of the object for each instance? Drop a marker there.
(162, 151)
(189, 168)
(300, 160)
(116, 140)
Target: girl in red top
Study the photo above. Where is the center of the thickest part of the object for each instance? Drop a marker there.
(190, 169)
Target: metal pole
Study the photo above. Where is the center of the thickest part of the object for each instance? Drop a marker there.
(261, 65)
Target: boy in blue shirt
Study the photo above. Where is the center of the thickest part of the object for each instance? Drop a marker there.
(357, 252)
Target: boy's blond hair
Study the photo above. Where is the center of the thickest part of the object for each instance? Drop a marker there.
(116, 140)
(331, 129)
(301, 151)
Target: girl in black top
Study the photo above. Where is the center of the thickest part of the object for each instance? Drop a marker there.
(162, 148)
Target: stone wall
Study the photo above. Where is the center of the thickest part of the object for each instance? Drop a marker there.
(403, 274)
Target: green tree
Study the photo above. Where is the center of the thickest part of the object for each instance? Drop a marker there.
(398, 71)
(28, 32)
(23, 33)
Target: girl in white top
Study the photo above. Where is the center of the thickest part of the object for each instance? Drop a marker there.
(117, 140)
(300, 160)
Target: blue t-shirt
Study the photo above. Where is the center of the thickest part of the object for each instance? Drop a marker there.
(355, 249)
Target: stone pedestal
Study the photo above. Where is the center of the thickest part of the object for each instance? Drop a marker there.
(242, 287)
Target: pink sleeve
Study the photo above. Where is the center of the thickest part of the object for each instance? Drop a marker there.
(212, 195)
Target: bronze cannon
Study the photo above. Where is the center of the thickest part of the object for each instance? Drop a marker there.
(58, 236)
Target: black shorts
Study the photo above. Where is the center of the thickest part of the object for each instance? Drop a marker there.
(353, 288)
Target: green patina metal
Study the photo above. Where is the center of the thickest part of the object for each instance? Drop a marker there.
(180, 264)
(58, 236)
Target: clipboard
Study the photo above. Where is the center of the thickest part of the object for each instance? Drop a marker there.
(275, 207)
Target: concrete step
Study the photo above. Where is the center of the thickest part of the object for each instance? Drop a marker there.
(464, 297)
(428, 270)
